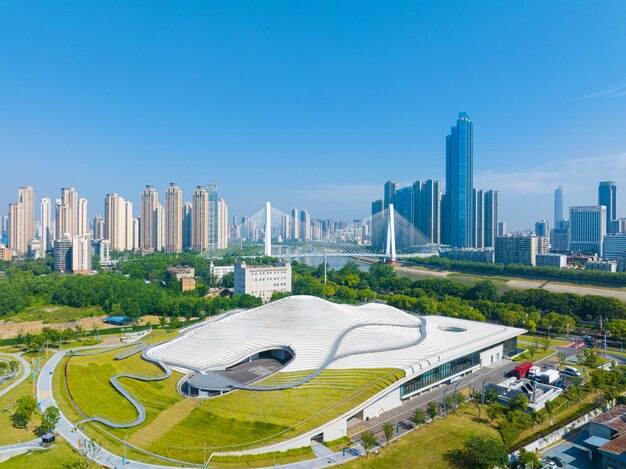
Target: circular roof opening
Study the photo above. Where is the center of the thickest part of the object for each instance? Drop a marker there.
(453, 328)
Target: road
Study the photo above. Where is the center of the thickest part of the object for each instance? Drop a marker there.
(401, 416)
(26, 372)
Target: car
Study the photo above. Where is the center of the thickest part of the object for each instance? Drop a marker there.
(558, 461)
(547, 462)
(571, 371)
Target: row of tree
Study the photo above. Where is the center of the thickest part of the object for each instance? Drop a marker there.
(520, 270)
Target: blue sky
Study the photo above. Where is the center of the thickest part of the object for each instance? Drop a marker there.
(312, 104)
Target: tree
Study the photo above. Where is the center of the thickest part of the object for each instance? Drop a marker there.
(228, 280)
(419, 417)
(24, 409)
(550, 407)
(388, 431)
(49, 420)
(162, 322)
(483, 290)
(432, 410)
(368, 440)
(519, 402)
(448, 403)
(544, 343)
(491, 396)
(494, 411)
(480, 452)
(528, 457)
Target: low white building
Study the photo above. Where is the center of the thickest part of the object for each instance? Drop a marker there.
(218, 271)
(262, 280)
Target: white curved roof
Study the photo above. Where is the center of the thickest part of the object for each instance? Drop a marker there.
(310, 326)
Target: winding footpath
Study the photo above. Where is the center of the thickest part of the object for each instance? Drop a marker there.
(25, 367)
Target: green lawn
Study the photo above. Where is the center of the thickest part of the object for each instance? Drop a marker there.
(9, 434)
(531, 339)
(59, 456)
(51, 314)
(426, 446)
(178, 427)
(539, 355)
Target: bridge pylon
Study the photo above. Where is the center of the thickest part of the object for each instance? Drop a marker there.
(390, 251)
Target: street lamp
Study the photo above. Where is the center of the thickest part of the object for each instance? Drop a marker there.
(605, 334)
(204, 455)
(124, 458)
(601, 323)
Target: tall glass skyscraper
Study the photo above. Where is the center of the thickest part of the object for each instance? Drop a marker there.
(607, 196)
(459, 183)
(558, 205)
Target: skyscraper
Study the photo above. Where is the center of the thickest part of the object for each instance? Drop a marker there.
(427, 209)
(390, 193)
(305, 226)
(173, 219)
(459, 182)
(129, 226)
(295, 224)
(403, 205)
(98, 228)
(558, 205)
(46, 227)
(187, 220)
(147, 219)
(587, 227)
(199, 219)
(607, 196)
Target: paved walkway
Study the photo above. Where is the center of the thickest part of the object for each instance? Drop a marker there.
(10, 451)
(25, 374)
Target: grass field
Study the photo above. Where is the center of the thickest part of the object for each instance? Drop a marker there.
(531, 339)
(51, 314)
(59, 456)
(178, 427)
(426, 446)
(9, 434)
(539, 355)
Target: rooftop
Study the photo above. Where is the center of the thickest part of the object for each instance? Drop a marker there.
(616, 445)
(614, 418)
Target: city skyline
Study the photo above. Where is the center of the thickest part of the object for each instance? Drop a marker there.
(334, 108)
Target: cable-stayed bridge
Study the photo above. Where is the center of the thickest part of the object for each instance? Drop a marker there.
(386, 235)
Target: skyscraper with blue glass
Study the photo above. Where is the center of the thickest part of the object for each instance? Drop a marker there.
(459, 183)
(607, 196)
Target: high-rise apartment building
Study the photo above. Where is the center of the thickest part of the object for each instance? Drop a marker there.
(558, 205)
(478, 218)
(98, 228)
(173, 219)
(587, 227)
(46, 226)
(404, 206)
(492, 218)
(560, 236)
(159, 231)
(285, 226)
(128, 225)
(459, 183)
(222, 224)
(69, 199)
(63, 255)
(200, 219)
(378, 225)
(607, 196)
(22, 221)
(83, 218)
(117, 223)
(81, 254)
(149, 203)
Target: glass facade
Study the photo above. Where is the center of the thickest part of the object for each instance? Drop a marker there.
(459, 183)
(440, 373)
(510, 347)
